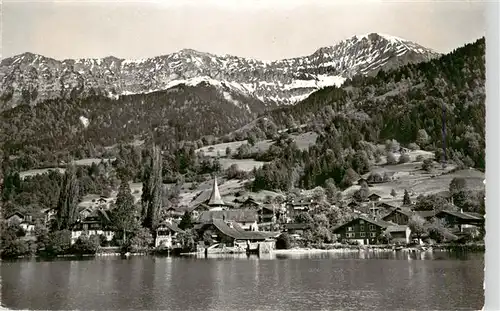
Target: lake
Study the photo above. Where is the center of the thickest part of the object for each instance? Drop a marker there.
(324, 281)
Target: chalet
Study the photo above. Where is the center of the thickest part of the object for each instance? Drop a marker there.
(232, 234)
(294, 208)
(461, 221)
(245, 218)
(250, 203)
(166, 234)
(399, 215)
(399, 234)
(268, 213)
(386, 205)
(85, 212)
(15, 218)
(98, 223)
(25, 222)
(362, 229)
(374, 197)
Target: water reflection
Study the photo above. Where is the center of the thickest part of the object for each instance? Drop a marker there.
(322, 281)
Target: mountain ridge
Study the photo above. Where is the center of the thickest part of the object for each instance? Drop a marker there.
(31, 78)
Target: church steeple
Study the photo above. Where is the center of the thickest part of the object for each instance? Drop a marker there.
(215, 198)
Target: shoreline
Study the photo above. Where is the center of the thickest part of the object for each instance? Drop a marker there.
(472, 248)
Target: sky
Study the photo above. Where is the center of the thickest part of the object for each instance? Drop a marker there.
(262, 29)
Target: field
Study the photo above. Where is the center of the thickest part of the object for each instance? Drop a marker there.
(303, 141)
(82, 162)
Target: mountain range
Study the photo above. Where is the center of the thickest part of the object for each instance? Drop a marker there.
(31, 79)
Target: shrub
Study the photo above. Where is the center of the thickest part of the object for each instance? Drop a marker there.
(283, 241)
(404, 158)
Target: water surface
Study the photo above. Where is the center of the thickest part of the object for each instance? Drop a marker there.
(326, 281)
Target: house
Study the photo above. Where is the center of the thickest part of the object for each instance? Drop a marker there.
(427, 215)
(361, 229)
(461, 221)
(85, 212)
(399, 215)
(25, 222)
(268, 213)
(231, 234)
(49, 215)
(294, 208)
(98, 223)
(250, 203)
(166, 234)
(399, 234)
(386, 205)
(15, 218)
(296, 228)
(245, 218)
(374, 197)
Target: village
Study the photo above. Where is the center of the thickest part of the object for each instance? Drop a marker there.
(246, 225)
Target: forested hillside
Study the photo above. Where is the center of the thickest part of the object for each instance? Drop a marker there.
(405, 105)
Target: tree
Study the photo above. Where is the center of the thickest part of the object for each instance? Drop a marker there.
(393, 193)
(392, 145)
(86, 245)
(228, 152)
(124, 214)
(428, 165)
(385, 237)
(186, 221)
(59, 242)
(362, 194)
(283, 241)
(422, 137)
(417, 226)
(187, 239)
(152, 190)
(68, 200)
(431, 203)
(333, 195)
(406, 199)
(304, 218)
(391, 158)
(404, 158)
(142, 239)
(457, 184)
(349, 178)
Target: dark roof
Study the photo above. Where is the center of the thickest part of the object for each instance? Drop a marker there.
(238, 215)
(297, 226)
(16, 213)
(463, 215)
(426, 214)
(396, 228)
(401, 210)
(239, 234)
(379, 223)
(172, 226)
(385, 204)
(374, 195)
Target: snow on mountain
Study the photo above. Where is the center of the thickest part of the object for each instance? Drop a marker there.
(30, 78)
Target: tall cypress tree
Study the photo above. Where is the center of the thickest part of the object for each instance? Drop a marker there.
(124, 213)
(68, 200)
(152, 190)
